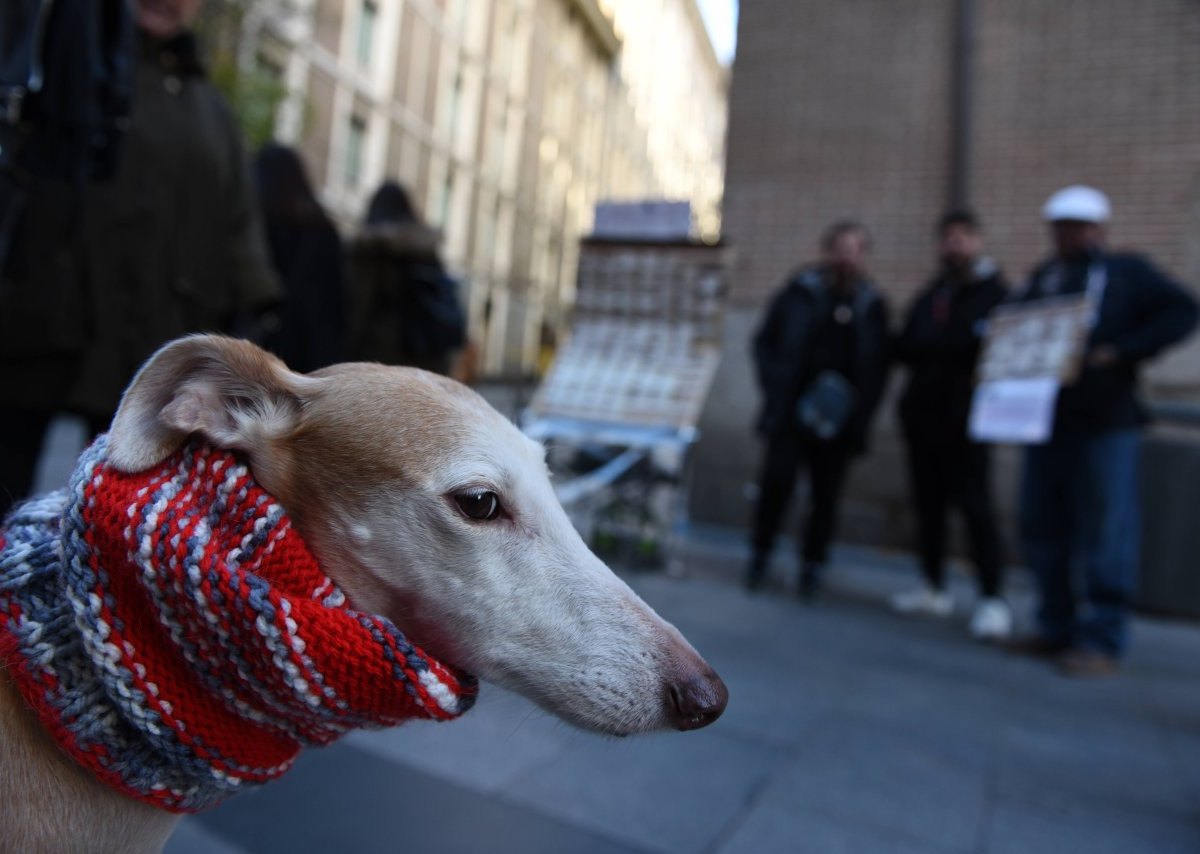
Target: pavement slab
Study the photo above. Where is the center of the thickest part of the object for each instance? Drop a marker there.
(342, 799)
(777, 828)
(879, 779)
(1026, 829)
(502, 738)
(670, 793)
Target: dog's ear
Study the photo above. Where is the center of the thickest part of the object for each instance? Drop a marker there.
(234, 394)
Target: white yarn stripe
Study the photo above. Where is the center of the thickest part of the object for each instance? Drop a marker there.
(446, 699)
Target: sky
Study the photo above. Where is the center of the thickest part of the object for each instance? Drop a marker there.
(720, 16)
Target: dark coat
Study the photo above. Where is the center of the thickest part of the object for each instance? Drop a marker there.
(1141, 314)
(104, 274)
(784, 352)
(307, 253)
(942, 355)
(389, 264)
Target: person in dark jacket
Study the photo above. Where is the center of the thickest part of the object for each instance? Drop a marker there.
(101, 275)
(1079, 506)
(401, 308)
(307, 253)
(821, 354)
(940, 345)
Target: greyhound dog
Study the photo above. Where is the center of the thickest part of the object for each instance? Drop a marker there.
(427, 508)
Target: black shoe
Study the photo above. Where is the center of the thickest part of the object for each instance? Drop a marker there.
(1037, 646)
(756, 572)
(810, 581)
(1086, 663)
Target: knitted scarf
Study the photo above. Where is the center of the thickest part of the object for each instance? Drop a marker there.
(175, 635)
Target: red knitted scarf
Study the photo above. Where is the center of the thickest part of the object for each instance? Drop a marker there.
(177, 637)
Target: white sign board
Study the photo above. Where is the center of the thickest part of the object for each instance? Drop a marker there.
(1017, 411)
(1042, 338)
(1030, 351)
(649, 220)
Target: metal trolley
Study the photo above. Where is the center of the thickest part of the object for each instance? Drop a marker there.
(619, 406)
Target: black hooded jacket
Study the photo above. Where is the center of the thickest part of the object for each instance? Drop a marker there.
(786, 351)
(307, 253)
(402, 308)
(940, 345)
(103, 275)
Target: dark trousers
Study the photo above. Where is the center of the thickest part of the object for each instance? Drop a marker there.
(827, 463)
(946, 474)
(21, 434)
(1081, 532)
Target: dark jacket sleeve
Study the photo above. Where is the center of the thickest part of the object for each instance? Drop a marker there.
(255, 285)
(329, 279)
(356, 300)
(1030, 288)
(917, 344)
(968, 341)
(767, 341)
(879, 370)
(874, 380)
(1164, 313)
(907, 346)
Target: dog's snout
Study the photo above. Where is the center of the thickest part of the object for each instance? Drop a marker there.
(696, 702)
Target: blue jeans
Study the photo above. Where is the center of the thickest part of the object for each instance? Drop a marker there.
(1081, 528)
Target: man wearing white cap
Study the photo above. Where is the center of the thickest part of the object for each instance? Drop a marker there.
(1079, 496)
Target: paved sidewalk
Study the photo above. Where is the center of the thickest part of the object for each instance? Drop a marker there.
(848, 730)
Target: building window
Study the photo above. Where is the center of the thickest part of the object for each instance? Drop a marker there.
(443, 212)
(366, 31)
(355, 141)
(456, 98)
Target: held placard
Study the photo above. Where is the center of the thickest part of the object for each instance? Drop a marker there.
(1030, 351)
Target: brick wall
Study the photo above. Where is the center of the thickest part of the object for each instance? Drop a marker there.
(836, 109)
(1100, 92)
(843, 109)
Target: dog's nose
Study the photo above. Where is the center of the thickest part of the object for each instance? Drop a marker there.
(697, 702)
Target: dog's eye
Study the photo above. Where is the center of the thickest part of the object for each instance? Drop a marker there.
(481, 506)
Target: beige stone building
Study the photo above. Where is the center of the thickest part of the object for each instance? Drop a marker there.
(886, 112)
(508, 120)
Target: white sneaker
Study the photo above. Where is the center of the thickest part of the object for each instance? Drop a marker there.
(923, 602)
(992, 620)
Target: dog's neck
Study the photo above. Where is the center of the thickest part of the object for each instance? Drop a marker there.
(53, 804)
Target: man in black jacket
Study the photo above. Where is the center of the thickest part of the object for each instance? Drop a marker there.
(102, 274)
(823, 341)
(940, 345)
(1079, 497)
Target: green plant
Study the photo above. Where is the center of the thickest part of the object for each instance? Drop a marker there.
(255, 96)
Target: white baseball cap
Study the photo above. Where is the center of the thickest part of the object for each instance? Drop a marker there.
(1078, 203)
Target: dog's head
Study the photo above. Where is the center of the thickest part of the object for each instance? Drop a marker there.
(428, 507)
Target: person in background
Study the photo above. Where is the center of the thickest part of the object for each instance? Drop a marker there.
(402, 307)
(1079, 500)
(821, 355)
(307, 254)
(101, 276)
(940, 345)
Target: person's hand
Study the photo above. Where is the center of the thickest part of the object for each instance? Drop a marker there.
(1104, 356)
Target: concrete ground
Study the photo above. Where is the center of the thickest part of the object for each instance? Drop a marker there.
(848, 730)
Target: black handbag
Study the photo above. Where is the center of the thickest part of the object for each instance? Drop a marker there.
(824, 409)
